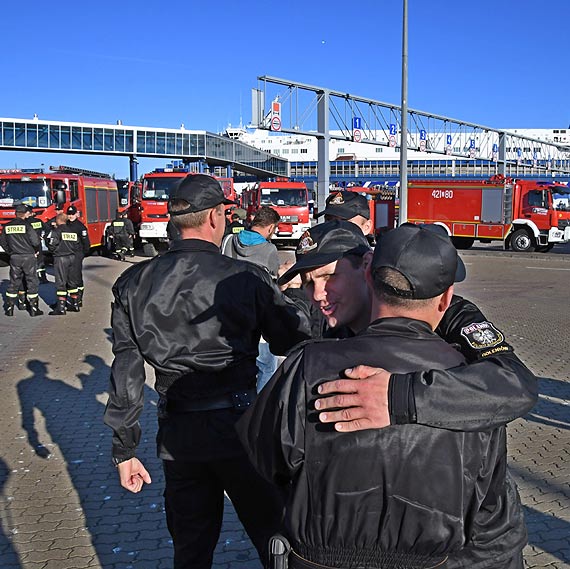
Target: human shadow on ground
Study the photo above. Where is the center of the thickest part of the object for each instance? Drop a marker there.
(8, 554)
(550, 409)
(124, 528)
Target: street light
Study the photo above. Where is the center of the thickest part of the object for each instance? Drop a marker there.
(403, 193)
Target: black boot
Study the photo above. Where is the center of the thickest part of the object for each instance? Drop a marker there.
(60, 307)
(22, 303)
(9, 307)
(72, 303)
(42, 276)
(34, 306)
(80, 298)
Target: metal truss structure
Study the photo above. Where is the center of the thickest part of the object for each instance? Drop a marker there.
(311, 110)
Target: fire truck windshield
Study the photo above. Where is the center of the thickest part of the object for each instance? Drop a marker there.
(159, 188)
(34, 193)
(283, 197)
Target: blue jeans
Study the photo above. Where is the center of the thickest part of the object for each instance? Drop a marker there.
(266, 365)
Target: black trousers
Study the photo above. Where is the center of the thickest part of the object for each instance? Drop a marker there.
(77, 270)
(23, 266)
(194, 499)
(64, 274)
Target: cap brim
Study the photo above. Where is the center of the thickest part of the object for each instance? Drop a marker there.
(460, 271)
(307, 264)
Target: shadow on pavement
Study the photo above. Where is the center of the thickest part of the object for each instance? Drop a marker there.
(124, 528)
(550, 409)
(8, 554)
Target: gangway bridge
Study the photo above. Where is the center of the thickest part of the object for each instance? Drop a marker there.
(297, 108)
(202, 147)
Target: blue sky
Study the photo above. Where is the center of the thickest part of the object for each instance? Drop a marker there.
(501, 63)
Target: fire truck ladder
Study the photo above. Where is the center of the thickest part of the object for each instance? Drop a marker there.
(78, 171)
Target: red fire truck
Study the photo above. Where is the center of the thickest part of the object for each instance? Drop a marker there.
(92, 193)
(518, 212)
(153, 213)
(289, 199)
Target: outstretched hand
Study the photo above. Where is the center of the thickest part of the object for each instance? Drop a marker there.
(133, 475)
(360, 402)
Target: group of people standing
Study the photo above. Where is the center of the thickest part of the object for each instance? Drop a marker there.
(380, 441)
(66, 238)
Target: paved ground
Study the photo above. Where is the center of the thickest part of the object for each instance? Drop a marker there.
(61, 504)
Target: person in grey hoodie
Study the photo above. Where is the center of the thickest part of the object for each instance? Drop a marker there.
(254, 245)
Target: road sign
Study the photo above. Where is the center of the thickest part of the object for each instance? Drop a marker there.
(448, 140)
(392, 141)
(356, 123)
(423, 134)
(448, 150)
(472, 152)
(276, 124)
(422, 145)
(392, 129)
(357, 135)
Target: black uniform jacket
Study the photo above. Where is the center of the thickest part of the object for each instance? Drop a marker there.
(82, 233)
(62, 242)
(196, 317)
(405, 495)
(18, 237)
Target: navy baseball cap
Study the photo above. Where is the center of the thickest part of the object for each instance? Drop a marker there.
(200, 191)
(325, 243)
(346, 205)
(424, 254)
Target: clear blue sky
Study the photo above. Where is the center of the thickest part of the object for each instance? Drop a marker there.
(501, 63)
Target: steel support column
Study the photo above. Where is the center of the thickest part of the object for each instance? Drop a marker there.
(323, 143)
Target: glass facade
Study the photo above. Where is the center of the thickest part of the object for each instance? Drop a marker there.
(176, 144)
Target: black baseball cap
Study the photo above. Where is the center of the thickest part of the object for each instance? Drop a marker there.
(71, 210)
(424, 254)
(58, 207)
(21, 208)
(346, 205)
(325, 243)
(200, 191)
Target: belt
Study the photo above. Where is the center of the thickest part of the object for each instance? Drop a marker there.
(236, 400)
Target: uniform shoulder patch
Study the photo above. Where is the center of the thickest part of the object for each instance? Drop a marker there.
(482, 335)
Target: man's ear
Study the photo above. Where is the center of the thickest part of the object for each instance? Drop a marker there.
(445, 300)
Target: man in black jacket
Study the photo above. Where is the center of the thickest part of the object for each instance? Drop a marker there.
(22, 243)
(122, 234)
(196, 317)
(75, 225)
(406, 496)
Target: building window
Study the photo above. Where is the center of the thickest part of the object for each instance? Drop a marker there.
(304, 151)
(379, 149)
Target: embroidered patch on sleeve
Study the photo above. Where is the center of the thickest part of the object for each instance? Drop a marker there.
(482, 335)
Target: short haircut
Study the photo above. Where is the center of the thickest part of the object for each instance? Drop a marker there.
(61, 219)
(384, 279)
(188, 220)
(264, 217)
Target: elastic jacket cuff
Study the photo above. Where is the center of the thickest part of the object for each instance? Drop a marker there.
(401, 402)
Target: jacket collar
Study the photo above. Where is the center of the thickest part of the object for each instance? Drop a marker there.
(194, 245)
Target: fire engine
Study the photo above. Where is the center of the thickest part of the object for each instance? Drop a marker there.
(520, 213)
(289, 199)
(93, 194)
(153, 211)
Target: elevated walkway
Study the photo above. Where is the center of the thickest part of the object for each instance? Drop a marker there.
(133, 141)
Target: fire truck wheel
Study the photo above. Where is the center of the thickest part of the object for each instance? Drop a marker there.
(462, 242)
(544, 248)
(522, 241)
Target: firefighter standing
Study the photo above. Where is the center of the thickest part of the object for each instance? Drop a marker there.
(40, 229)
(73, 224)
(122, 233)
(22, 243)
(64, 246)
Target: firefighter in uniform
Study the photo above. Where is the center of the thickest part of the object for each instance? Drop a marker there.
(22, 243)
(122, 233)
(40, 229)
(64, 246)
(73, 224)
(196, 316)
(436, 493)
